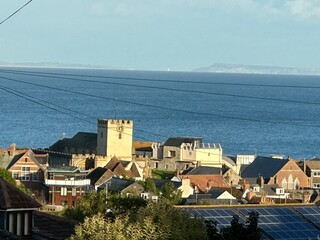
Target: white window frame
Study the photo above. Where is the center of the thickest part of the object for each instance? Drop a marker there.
(25, 173)
(63, 191)
(15, 175)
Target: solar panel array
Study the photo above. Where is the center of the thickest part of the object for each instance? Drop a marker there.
(278, 222)
(311, 213)
(283, 223)
(223, 217)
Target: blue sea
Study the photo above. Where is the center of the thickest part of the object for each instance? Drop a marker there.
(245, 113)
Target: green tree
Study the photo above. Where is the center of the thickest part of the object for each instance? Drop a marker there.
(88, 205)
(156, 221)
(6, 175)
(170, 194)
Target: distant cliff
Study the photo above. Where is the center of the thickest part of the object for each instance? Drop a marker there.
(240, 68)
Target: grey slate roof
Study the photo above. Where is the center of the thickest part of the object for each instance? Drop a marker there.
(229, 160)
(118, 184)
(161, 182)
(177, 141)
(264, 166)
(201, 170)
(96, 174)
(82, 140)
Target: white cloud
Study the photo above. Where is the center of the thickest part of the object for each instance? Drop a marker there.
(303, 8)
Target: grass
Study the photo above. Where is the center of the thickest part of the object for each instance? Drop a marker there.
(161, 174)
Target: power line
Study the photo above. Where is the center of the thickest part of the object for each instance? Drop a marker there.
(15, 12)
(159, 107)
(164, 80)
(168, 89)
(32, 99)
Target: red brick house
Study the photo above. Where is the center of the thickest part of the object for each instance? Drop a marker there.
(66, 184)
(283, 172)
(28, 167)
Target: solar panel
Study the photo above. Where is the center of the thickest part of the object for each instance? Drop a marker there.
(283, 223)
(223, 217)
(312, 213)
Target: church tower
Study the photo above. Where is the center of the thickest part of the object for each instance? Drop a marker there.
(114, 138)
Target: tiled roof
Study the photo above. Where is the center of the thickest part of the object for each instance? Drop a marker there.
(96, 174)
(15, 159)
(177, 141)
(313, 164)
(263, 166)
(13, 198)
(202, 170)
(112, 163)
(205, 182)
(118, 184)
(142, 146)
(53, 227)
(105, 177)
(30, 154)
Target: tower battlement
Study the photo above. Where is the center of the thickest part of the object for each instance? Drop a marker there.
(115, 122)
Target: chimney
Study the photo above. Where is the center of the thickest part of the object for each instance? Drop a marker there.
(306, 197)
(261, 181)
(12, 150)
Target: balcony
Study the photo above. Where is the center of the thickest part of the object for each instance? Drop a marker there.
(82, 182)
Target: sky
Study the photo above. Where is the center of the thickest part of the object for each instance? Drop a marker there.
(178, 35)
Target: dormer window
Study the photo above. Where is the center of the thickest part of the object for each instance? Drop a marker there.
(256, 189)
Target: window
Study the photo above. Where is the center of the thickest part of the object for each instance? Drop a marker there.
(284, 183)
(101, 134)
(316, 174)
(15, 174)
(172, 153)
(156, 164)
(74, 192)
(120, 136)
(208, 154)
(190, 153)
(25, 159)
(316, 185)
(166, 166)
(290, 182)
(63, 191)
(35, 176)
(25, 173)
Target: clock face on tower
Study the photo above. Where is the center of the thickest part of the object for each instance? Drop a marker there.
(120, 128)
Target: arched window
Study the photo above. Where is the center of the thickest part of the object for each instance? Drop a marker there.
(296, 183)
(284, 183)
(290, 182)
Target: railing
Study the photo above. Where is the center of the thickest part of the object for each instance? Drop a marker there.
(82, 182)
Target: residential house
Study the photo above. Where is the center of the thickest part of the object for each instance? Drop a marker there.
(283, 172)
(99, 176)
(205, 178)
(28, 169)
(184, 152)
(312, 169)
(66, 184)
(214, 196)
(122, 186)
(16, 212)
